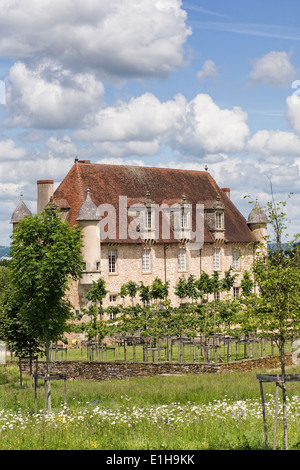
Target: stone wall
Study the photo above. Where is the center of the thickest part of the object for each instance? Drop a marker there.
(97, 371)
(164, 264)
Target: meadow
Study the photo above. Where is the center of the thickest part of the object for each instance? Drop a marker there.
(188, 412)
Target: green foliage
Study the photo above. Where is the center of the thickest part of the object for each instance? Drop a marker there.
(97, 292)
(145, 293)
(246, 284)
(96, 328)
(45, 256)
(159, 290)
(130, 288)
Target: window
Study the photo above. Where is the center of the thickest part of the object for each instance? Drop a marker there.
(217, 295)
(219, 220)
(146, 261)
(113, 315)
(181, 260)
(236, 292)
(184, 220)
(148, 222)
(235, 259)
(216, 258)
(113, 298)
(98, 266)
(84, 266)
(112, 261)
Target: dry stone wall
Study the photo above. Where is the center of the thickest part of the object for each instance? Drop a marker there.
(98, 371)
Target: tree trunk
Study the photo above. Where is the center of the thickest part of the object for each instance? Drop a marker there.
(47, 382)
(284, 404)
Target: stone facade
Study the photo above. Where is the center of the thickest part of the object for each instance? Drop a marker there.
(163, 264)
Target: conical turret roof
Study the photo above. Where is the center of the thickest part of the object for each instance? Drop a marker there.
(88, 210)
(20, 211)
(257, 215)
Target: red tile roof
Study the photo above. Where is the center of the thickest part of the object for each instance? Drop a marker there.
(107, 182)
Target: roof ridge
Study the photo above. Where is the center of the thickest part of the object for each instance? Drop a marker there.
(144, 167)
(79, 181)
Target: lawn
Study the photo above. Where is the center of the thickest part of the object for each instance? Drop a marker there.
(190, 412)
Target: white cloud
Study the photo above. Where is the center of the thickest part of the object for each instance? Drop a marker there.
(62, 147)
(292, 112)
(209, 71)
(206, 128)
(274, 69)
(9, 151)
(123, 37)
(142, 118)
(274, 142)
(144, 123)
(50, 97)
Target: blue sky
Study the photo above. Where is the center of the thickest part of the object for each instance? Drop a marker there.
(151, 82)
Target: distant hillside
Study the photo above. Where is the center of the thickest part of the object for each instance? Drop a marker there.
(4, 251)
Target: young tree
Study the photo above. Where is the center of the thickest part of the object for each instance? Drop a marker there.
(96, 327)
(45, 257)
(130, 288)
(275, 311)
(181, 289)
(15, 331)
(159, 290)
(145, 294)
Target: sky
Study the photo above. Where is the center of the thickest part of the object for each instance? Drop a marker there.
(170, 83)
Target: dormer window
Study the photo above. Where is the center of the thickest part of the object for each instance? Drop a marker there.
(148, 221)
(219, 221)
(184, 220)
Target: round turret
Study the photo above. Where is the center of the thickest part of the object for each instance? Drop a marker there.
(257, 222)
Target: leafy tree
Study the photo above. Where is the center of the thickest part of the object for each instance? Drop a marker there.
(181, 289)
(145, 293)
(4, 280)
(159, 290)
(275, 311)
(130, 288)
(96, 327)
(45, 257)
(204, 285)
(246, 284)
(191, 288)
(17, 333)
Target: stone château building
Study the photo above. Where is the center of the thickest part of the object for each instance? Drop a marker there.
(139, 223)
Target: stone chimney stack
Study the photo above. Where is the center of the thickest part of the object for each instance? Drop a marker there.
(44, 193)
(226, 191)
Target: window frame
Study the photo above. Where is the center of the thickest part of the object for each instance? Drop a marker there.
(235, 259)
(110, 262)
(217, 259)
(217, 295)
(236, 293)
(181, 251)
(146, 261)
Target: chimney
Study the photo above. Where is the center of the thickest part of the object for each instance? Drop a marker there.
(44, 193)
(226, 191)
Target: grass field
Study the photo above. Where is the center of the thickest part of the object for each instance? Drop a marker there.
(212, 412)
